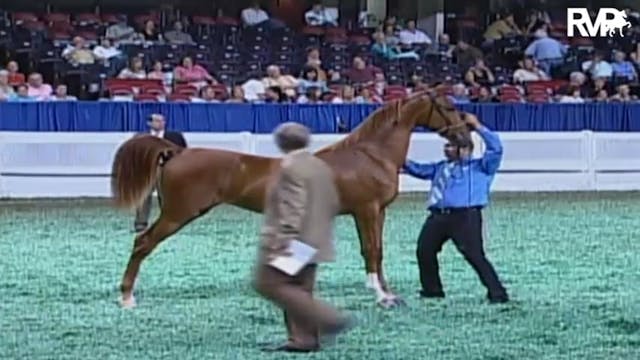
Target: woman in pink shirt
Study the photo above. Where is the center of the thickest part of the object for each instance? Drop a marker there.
(38, 89)
(193, 74)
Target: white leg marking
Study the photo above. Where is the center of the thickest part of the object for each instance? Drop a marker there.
(373, 282)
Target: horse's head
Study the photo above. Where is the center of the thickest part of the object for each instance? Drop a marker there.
(437, 113)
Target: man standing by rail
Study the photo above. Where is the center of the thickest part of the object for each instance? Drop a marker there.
(460, 187)
(157, 126)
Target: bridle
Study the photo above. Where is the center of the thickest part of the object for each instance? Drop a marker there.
(449, 126)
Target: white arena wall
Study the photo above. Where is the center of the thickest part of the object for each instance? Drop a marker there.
(39, 164)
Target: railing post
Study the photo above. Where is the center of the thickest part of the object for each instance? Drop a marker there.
(589, 152)
(2, 189)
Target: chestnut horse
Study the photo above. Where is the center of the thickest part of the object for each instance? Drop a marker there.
(192, 181)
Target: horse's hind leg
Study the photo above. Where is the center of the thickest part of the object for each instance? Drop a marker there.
(173, 217)
(144, 244)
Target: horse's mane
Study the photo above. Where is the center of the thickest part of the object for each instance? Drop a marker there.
(388, 113)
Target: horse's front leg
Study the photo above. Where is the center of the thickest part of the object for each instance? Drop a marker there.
(369, 222)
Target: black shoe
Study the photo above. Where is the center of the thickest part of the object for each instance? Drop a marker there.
(431, 295)
(329, 335)
(288, 347)
(138, 228)
(498, 299)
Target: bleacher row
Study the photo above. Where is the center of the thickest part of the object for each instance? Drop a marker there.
(235, 54)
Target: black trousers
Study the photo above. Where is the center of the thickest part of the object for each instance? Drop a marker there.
(464, 227)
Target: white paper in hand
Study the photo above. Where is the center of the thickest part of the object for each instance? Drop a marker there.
(300, 255)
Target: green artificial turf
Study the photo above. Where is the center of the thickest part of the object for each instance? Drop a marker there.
(570, 262)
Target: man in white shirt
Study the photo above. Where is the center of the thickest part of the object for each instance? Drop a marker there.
(254, 16)
(411, 35)
(321, 16)
(597, 67)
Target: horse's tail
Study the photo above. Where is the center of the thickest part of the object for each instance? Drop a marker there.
(135, 168)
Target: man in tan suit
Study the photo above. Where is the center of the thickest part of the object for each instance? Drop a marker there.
(301, 205)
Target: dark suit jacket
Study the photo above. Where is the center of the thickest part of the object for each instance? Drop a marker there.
(176, 138)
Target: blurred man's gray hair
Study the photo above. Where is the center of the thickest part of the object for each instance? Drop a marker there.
(291, 136)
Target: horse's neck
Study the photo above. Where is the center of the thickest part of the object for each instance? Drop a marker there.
(396, 143)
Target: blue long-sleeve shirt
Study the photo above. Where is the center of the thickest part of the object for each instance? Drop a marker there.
(470, 180)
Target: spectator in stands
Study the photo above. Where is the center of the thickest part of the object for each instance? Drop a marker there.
(158, 73)
(253, 89)
(503, 27)
(444, 45)
(459, 94)
(178, 36)
(466, 54)
(576, 80)
(121, 32)
(314, 61)
(479, 74)
(193, 74)
(237, 95)
(528, 71)
(37, 88)
(368, 96)
(536, 19)
(572, 96)
(287, 83)
(412, 36)
(319, 15)
(15, 76)
(635, 55)
(601, 96)
(310, 79)
(622, 68)
(599, 84)
(79, 52)
(6, 90)
(623, 94)
(106, 51)
(360, 73)
(390, 36)
(150, 33)
(547, 52)
(347, 95)
(207, 95)
(484, 95)
(61, 94)
(135, 70)
(379, 84)
(274, 94)
(597, 66)
(312, 95)
(22, 94)
(254, 16)
(393, 22)
(386, 51)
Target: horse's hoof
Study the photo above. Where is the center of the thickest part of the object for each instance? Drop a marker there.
(128, 302)
(391, 302)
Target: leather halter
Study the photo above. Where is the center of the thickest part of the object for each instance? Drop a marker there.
(448, 126)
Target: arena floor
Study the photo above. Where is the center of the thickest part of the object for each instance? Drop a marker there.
(570, 262)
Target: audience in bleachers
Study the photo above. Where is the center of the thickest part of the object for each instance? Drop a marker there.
(319, 15)
(258, 58)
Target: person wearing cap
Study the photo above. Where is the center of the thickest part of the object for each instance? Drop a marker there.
(301, 205)
(157, 126)
(460, 187)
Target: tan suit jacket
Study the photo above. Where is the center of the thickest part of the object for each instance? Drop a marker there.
(301, 204)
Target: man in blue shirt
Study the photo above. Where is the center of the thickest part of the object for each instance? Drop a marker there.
(460, 189)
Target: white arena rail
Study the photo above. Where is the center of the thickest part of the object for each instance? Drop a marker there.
(40, 164)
